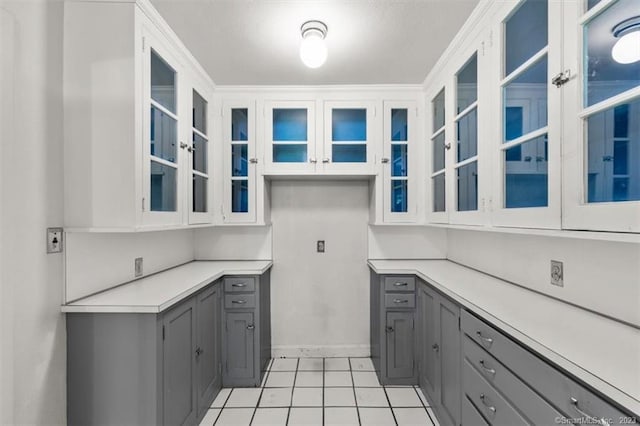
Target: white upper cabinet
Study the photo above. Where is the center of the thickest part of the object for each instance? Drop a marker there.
(601, 158)
(400, 161)
(136, 121)
(350, 137)
(290, 136)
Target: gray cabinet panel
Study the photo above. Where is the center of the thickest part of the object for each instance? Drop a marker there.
(532, 406)
(376, 326)
(208, 356)
(490, 403)
(471, 416)
(240, 348)
(400, 301)
(239, 301)
(400, 283)
(178, 361)
(239, 284)
(450, 357)
(400, 344)
(428, 346)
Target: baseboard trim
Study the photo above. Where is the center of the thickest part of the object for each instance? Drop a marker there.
(284, 351)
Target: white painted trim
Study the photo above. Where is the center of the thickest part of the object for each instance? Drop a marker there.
(320, 351)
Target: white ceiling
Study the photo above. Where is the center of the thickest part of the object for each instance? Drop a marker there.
(247, 42)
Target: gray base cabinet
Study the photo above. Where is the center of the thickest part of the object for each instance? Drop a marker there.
(247, 330)
(439, 362)
(393, 338)
(145, 369)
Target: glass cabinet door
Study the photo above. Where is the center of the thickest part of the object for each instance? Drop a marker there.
(163, 120)
(199, 150)
(398, 161)
(349, 136)
(290, 132)
(240, 178)
(438, 148)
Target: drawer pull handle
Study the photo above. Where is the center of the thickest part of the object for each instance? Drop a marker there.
(251, 327)
(389, 330)
(400, 284)
(400, 301)
(238, 302)
(487, 369)
(238, 285)
(488, 340)
(599, 421)
(486, 404)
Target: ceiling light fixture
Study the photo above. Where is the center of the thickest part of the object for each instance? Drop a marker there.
(313, 51)
(627, 48)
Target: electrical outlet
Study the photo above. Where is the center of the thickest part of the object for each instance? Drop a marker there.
(557, 273)
(320, 246)
(54, 240)
(138, 267)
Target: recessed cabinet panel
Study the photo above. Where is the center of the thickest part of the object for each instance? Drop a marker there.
(240, 346)
(400, 345)
(290, 137)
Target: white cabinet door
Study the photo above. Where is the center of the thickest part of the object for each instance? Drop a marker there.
(290, 137)
(399, 161)
(199, 180)
(164, 127)
(350, 137)
(240, 161)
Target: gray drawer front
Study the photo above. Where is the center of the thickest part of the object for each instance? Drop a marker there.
(539, 375)
(239, 301)
(400, 300)
(399, 283)
(471, 416)
(492, 406)
(530, 404)
(239, 284)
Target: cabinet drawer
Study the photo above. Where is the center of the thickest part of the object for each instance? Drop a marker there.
(399, 283)
(530, 404)
(492, 406)
(540, 376)
(239, 301)
(400, 300)
(239, 284)
(470, 415)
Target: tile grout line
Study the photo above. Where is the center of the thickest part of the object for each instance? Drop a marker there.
(293, 388)
(266, 377)
(323, 391)
(224, 404)
(353, 387)
(384, 389)
(415, 389)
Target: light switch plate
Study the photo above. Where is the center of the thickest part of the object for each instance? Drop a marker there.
(54, 240)
(557, 273)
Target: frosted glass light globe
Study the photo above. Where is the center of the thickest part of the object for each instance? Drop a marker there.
(627, 48)
(313, 51)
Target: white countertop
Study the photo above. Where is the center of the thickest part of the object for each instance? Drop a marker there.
(601, 352)
(157, 292)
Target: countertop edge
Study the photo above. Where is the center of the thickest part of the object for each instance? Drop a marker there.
(78, 307)
(604, 387)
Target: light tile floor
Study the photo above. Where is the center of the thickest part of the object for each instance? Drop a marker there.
(321, 391)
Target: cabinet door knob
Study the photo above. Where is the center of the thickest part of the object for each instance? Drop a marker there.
(253, 160)
(435, 347)
(313, 160)
(326, 160)
(389, 329)
(183, 145)
(251, 327)
(447, 146)
(199, 352)
(384, 160)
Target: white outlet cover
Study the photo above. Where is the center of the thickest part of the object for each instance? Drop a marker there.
(54, 240)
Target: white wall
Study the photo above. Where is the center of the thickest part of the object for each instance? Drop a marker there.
(320, 301)
(33, 379)
(98, 261)
(233, 243)
(603, 276)
(407, 242)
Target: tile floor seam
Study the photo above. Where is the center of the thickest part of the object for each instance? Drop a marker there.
(384, 389)
(266, 377)
(423, 404)
(355, 397)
